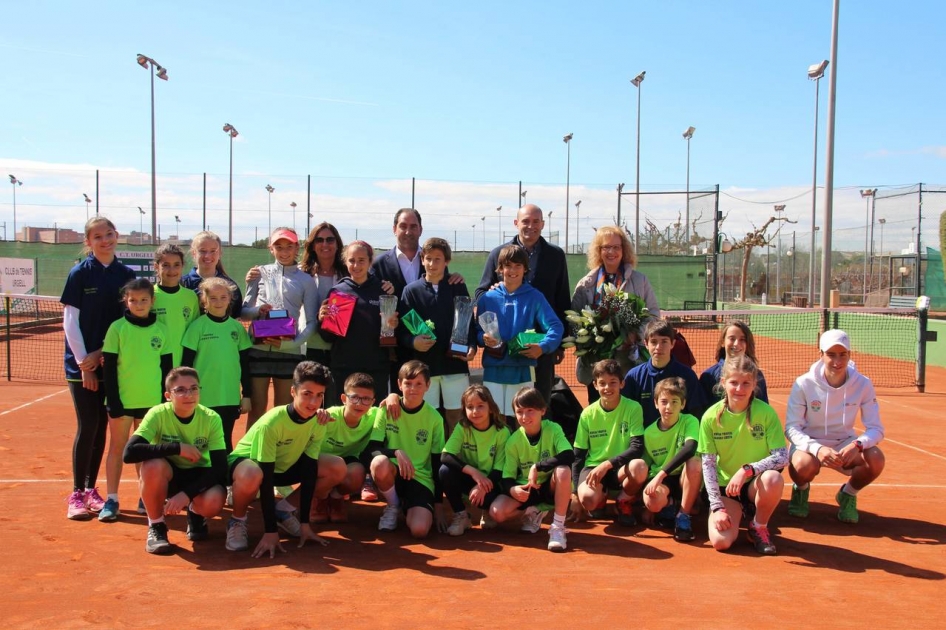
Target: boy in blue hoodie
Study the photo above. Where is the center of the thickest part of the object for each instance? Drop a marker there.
(518, 307)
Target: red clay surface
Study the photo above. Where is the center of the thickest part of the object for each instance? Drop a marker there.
(887, 571)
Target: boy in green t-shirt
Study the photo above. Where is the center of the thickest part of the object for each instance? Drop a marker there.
(345, 449)
(183, 460)
(281, 449)
(405, 453)
(669, 448)
(609, 438)
(536, 470)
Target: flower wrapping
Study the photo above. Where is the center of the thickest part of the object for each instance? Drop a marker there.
(597, 331)
(341, 306)
(418, 326)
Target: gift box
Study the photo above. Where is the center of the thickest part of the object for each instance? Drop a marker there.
(414, 323)
(277, 328)
(523, 339)
(341, 306)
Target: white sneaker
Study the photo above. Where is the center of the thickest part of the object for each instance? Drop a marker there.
(237, 537)
(487, 521)
(288, 522)
(459, 524)
(532, 520)
(388, 522)
(557, 538)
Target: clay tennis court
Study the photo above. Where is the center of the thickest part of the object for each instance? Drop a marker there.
(887, 571)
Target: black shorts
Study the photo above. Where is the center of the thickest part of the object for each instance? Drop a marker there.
(182, 477)
(352, 459)
(544, 494)
(293, 475)
(609, 481)
(748, 507)
(413, 493)
(137, 414)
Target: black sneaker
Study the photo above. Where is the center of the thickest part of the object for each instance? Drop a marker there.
(158, 539)
(196, 526)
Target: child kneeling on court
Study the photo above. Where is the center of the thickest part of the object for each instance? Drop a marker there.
(536, 471)
(345, 449)
(473, 459)
(673, 471)
(607, 440)
(405, 453)
(183, 460)
(743, 451)
(281, 449)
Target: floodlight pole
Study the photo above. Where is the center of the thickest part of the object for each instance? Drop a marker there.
(868, 194)
(637, 185)
(815, 72)
(688, 135)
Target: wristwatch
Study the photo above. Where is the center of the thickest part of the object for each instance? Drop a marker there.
(859, 445)
(749, 469)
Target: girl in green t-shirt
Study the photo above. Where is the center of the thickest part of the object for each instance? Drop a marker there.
(175, 305)
(743, 451)
(472, 459)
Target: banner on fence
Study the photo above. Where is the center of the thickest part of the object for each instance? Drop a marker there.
(141, 262)
(17, 276)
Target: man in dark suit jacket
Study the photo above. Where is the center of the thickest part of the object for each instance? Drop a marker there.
(548, 272)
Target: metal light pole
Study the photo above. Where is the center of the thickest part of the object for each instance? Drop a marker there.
(483, 220)
(620, 190)
(141, 225)
(150, 64)
(500, 211)
(880, 271)
(688, 135)
(177, 227)
(292, 204)
(550, 224)
(637, 186)
(14, 182)
(87, 202)
(868, 194)
(231, 131)
(270, 190)
(473, 232)
(791, 254)
(523, 196)
(568, 167)
(815, 72)
(578, 224)
(778, 253)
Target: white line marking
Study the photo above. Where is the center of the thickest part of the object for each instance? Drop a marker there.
(32, 402)
(915, 449)
(888, 485)
(53, 481)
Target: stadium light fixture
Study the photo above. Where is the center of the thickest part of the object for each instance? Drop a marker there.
(688, 135)
(500, 211)
(141, 225)
(868, 194)
(87, 202)
(14, 182)
(231, 131)
(636, 81)
(292, 204)
(568, 167)
(162, 73)
(815, 72)
(270, 190)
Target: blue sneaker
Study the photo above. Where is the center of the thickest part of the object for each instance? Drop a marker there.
(109, 512)
(666, 518)
(683, 528)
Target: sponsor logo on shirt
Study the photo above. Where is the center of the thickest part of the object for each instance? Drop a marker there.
(186, 312)
(680, 440)
(816, 405)
(201, 444)
(492, 451)
(722, 435)
(600, 433)
(233, 335)
(758, 432)
(209, 336)
(156, 342)
(285, 442)
(421, 436)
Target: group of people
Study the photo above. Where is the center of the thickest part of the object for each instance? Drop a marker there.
(173, 361)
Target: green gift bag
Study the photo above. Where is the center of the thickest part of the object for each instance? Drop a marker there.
(523, 339)
(417, 326)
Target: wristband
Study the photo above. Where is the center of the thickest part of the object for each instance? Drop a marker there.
(719, 509)
(749, 469)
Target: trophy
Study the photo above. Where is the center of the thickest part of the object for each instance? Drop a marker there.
(388, 310)
(460, 336)
(490, 325)
(277, 324)
(271, 281)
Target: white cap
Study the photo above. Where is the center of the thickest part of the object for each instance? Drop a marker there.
(831, 338)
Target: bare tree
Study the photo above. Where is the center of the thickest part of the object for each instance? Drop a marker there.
(758, 237)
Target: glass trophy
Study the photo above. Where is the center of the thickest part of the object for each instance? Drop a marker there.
(490, 325)
(460, 335)
(388, 310)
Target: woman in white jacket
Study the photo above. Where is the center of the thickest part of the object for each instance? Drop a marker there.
(819, 423)
(611, 260)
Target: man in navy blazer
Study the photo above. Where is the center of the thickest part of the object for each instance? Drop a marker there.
(548, 272)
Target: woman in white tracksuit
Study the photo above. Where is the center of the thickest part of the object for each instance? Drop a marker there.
(819, 423)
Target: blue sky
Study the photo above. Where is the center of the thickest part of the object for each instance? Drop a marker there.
(471, 98)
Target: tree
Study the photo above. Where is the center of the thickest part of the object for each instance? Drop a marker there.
(756, 238)
(262, 243)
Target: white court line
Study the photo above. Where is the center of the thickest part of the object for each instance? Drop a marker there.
(32, 402)
(888, 485)
(915, 449)
(53, 481)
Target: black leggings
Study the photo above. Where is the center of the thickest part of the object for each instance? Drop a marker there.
(229, 414)
(89, 445)
(455, 484)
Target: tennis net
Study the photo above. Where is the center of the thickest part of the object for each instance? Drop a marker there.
(885, 341)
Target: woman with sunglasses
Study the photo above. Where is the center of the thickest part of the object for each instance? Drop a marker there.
(322, 259)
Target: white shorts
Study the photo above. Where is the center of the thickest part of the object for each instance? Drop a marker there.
(448, 386)
(836, 445)
(503, 395)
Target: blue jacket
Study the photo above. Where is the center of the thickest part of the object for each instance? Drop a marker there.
(360, 348)
(517, 312)
(640, 381)
(436, 306)
(710, 377)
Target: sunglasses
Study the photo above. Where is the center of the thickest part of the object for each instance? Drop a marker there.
(318, 240)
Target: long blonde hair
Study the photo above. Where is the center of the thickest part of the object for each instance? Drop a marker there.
(90, 225)
(207, 235)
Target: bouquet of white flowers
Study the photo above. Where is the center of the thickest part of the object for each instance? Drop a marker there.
(600, 330)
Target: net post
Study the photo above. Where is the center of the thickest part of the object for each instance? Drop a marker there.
(6, 304)
(922, 322)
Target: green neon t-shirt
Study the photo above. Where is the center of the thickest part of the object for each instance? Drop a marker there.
(204, 431)
(346, 441)
(607, 434)
(217, 347)
(735, 442)
(521, 455)
(418, 434)
(279, 439)
(661, 446)
(176, 311)
(483, 450)
(139, 350)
